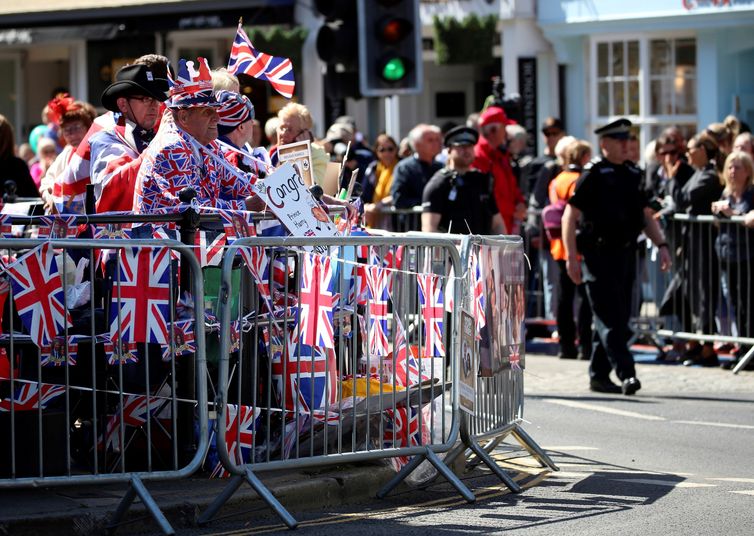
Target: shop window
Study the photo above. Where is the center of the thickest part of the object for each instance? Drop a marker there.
(618, 78)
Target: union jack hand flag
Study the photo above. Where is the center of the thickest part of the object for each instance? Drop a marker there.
(478, 290)
(38, 292)
(123, 352)
(407, 369)
(209, 248)
(29, 396)
(305, 377)
(183, 339)
(402, 430)
(135, 411)
(258, 263)
(245, 59)
(378, 280)
(59, 353)
(240, 425)
(141, 296)
(430, 295)
(316, 301)
(57, 227)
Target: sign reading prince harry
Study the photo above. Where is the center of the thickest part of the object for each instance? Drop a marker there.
(288, 197)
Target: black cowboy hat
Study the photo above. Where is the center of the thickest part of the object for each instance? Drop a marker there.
(134, 80)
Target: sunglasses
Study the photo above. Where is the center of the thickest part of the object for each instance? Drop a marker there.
(147, 101)
(386, 150)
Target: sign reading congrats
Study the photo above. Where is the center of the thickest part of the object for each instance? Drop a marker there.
(289, 199)
(691, 4)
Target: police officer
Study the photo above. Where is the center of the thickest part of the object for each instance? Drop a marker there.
(458, 198)
(601, 224)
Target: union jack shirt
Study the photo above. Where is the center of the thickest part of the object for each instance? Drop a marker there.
(38, 293)
(172, 163)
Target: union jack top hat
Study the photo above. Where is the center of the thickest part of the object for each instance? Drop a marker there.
(191, 87)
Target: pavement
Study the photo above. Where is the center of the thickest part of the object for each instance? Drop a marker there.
(85, 510)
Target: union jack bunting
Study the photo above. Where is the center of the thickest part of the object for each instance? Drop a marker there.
(237, 224)
(407, 369)
(478, 294)
(167, 232)
(6, 227)
(245, 59)
(305, 377)
(378, 280)
(135, 411)
(57, 227)
(316, 301)
(29, 396)
(108, 232)
(38, 293)
(430, 296)
(124, 353)
(59, 353)
(141, 296)
(240, 425)
(258, 263)
(402, 430)
(209, 247)
(183, 339)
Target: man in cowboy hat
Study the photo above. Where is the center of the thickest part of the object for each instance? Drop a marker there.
(185, 153)
(117, 153)
(135, 99)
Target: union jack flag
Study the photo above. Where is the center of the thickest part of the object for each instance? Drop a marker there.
(135, 411)
(402, 430)
(305, 377)
(407, 369)
(4, 293)
(245, 59)
(237, 224)
(123, 352)
(316, 301)
(59, 353)
(430, 296)
(39, 296)
(183, 339)
(114, 231)
(478, 289)
(378, 280)
(209, 248)
(141, 296)
(29, 396)
(258, 263)
(167, 232)
(57, 227)
(6, 225)
(240, 425)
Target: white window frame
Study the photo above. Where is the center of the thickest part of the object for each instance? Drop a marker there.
(644, 120)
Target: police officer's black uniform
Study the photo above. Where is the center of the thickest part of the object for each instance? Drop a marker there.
(610, 199)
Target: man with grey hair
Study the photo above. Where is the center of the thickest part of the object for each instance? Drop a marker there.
(412, 174)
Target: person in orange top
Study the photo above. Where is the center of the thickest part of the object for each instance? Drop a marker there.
(573, 156)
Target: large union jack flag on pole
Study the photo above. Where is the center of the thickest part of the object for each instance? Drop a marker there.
(245, 59)
(378, 280)
(316, 301)
(141, 296)
(39, 296)
(430, 295)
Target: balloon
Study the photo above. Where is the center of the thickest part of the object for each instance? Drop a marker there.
(37, 132)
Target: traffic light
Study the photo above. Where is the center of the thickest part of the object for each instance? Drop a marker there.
(337, 46)
(390, 51)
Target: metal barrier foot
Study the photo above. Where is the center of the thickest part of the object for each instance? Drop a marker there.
(402, 474)
(489, 447)
(136, 487)
(489, 462)
(256, 485)
(535, 450)
(445, 471)
(744, 361)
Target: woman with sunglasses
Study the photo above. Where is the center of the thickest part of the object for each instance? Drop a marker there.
(378, 179)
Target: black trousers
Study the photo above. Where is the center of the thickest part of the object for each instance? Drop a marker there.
(609, 278)
(566, 325)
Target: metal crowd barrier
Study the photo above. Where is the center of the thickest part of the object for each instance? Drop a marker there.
(76, 406)
(397, 220)
(367, 384)
(542, 279)
(709, 296)
(494, 294)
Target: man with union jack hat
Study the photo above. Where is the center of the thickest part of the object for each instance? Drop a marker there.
(185, 154)
(236, 129)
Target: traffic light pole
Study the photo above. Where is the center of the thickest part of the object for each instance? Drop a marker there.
(392, 117)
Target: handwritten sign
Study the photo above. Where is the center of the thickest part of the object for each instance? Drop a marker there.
(288, 197)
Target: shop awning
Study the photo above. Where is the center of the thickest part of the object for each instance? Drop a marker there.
(29, 13)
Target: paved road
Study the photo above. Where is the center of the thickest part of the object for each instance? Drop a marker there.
(675, 460)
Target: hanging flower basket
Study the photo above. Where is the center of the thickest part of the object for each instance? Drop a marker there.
(466, 41)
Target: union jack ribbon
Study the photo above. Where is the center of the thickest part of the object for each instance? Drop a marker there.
(30, 396)
(378, 280)
(60, 352)
(316, 301)
(38, 293)
(245, 59)
(141, 296)
(430, 296)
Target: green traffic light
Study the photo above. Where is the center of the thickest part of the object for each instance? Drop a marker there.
(394, 69)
